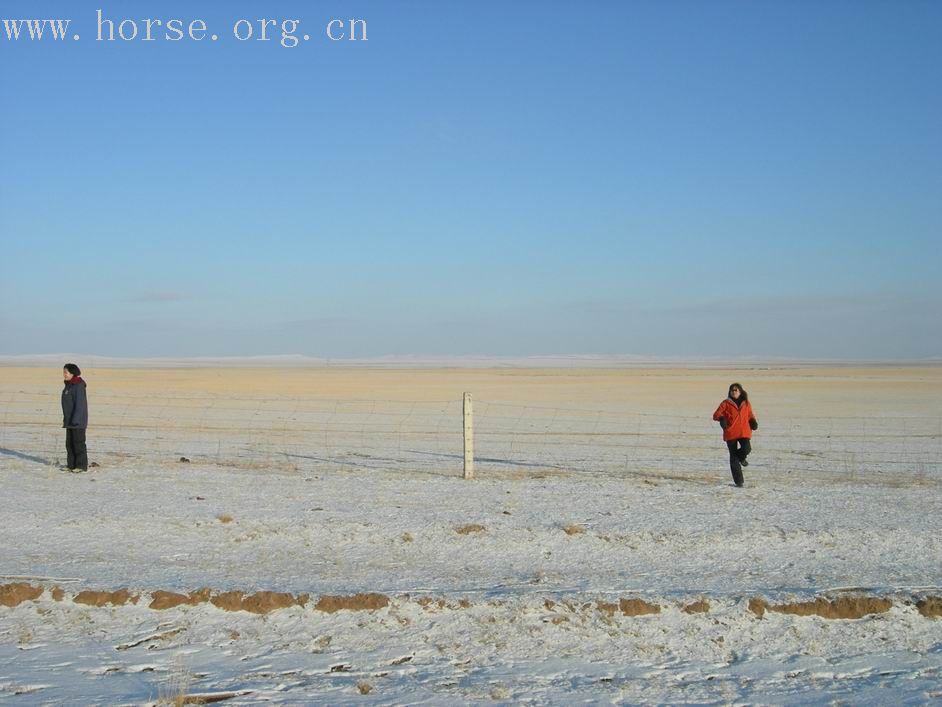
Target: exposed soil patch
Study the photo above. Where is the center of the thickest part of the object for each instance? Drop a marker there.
(470, 528)
(168, 600)
(628, 607)
(228, 601)
(357, 602)
(427, 602)
(637, 607)
(258, 603)
(161, 600)
(16, 593)
(607, 607)
(698, 607)
(199, 596)
(93, 598)
(263, 602)
(758, 607)
(843, 608)
(930, 607)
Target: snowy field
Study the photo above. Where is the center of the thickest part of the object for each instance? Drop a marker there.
(321, 547)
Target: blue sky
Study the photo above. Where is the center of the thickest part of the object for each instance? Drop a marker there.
(503, 178)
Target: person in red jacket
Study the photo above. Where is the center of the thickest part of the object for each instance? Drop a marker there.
(738, 422)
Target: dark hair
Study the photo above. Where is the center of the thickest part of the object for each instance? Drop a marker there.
(73, 369)
(743, 395)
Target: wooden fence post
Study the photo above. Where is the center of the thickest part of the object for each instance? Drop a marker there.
(468, 438)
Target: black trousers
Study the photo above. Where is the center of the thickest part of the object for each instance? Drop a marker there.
(75, 450)
(738, 450)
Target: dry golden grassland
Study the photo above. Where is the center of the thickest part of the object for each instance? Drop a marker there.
(786, 391)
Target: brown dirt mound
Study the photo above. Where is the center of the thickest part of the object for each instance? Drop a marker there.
(470, 528)
(357, 602)
(258, 603)
(606, 607)
(93, 598)
(637, 607)
(161, 600)
(930, 607)
(228, 601)
(758, 607)
(199, 596)
(16, 593)
(628, 607)
(843, 608)
(263, 602)
(426, 602)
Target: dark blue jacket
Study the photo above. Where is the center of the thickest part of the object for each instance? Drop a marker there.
(74, 405)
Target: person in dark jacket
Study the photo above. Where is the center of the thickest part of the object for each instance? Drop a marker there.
(75, 417)
(738, 423)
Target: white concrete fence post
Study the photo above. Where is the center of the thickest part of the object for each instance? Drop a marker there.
(468, 439)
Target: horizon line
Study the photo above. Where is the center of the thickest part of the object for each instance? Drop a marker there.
(449, 361)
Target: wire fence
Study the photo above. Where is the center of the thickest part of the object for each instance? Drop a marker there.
(426, 437)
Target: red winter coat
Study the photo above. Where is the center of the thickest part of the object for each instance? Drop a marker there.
(737, 419)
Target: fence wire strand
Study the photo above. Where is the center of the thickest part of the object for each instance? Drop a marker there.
(426, 437)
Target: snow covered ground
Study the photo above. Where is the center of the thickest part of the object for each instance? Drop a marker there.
(517, 610)
(600, 556)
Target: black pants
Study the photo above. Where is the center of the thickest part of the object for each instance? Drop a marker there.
(75, 450)
(738, 451)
